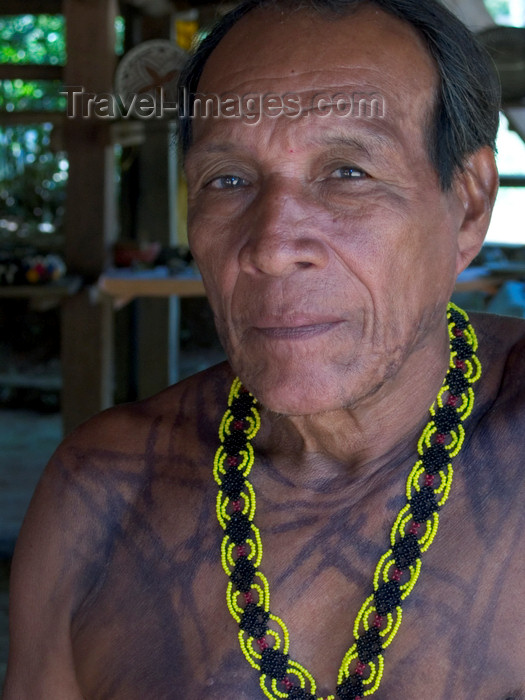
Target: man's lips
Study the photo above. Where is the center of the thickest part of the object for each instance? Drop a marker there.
(297, 329)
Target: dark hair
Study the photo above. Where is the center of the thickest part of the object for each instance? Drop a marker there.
(466, 112)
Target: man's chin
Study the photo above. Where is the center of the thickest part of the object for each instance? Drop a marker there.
(319, 385)
(295, 396)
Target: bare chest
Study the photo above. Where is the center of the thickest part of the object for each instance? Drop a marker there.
(159, 627)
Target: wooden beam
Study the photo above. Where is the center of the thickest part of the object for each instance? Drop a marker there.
(90, 213)
(31, 7)
(31, 117)
(86, 359)
(90, 219)
(30, 71)
(90, 31)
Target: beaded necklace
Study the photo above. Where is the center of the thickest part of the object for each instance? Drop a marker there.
(263, 637)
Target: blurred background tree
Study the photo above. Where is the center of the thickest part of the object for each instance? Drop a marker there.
(33, 169)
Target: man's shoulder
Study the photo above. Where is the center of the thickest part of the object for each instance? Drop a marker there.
(115, 454)
(500, 425)
(128, 427)
(499, 329)
(502, 351)
(96, 475)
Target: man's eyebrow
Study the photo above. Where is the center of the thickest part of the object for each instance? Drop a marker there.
(216, 147)
(197, 150)
(374, 140)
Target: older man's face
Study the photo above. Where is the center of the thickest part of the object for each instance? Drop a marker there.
(327, 247)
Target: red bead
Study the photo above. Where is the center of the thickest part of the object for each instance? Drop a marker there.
(287, 683)
(236, 505)
(440, 438)
(396, 575)
(414, 528)
(429, 479)
(378, 619)
(241, 550)
(263, 644)
(248, 597)
(452, 401)
(238, 425)
(359, 669)
(460, 364)
(232, 461)
(458, 332)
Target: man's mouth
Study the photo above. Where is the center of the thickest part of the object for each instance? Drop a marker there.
(297, 330)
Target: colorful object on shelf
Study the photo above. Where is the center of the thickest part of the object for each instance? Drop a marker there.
(43, 268)
(30, 268)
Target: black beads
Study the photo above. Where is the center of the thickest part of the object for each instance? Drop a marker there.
(235, 442)
(274, 663)
(435, 459)
(457, 382)
(446, 419)
(243, 574)
(461, 348)
(238, 528)
(351, 688)
(423, 504)
(254, 620)
(369, 645)
(387, 597)
(406, 552)
(232, 483)
(242, 405)
(458, 319)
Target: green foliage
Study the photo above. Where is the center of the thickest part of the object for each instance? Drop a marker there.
(33, 39)
(32, 176)
(37, 95)
(33, 180)
(36, 39)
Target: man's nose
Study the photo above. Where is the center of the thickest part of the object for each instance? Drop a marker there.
(284, 232)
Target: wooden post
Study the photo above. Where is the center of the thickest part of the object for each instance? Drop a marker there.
(157, 319)
(90, 220)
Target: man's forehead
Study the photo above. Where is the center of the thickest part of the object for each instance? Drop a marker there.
(273, 50)
(365, 68)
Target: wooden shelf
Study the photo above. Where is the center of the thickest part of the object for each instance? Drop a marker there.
(125, 285)
(31, 117)
(62, 288)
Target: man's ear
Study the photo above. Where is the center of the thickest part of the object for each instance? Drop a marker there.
(476, 187)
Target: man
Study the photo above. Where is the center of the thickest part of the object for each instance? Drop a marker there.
(329, 241)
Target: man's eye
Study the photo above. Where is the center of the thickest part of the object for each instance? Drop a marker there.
(348, 172)
(228, 182)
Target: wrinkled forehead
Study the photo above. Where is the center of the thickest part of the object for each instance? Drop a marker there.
(303, 52)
